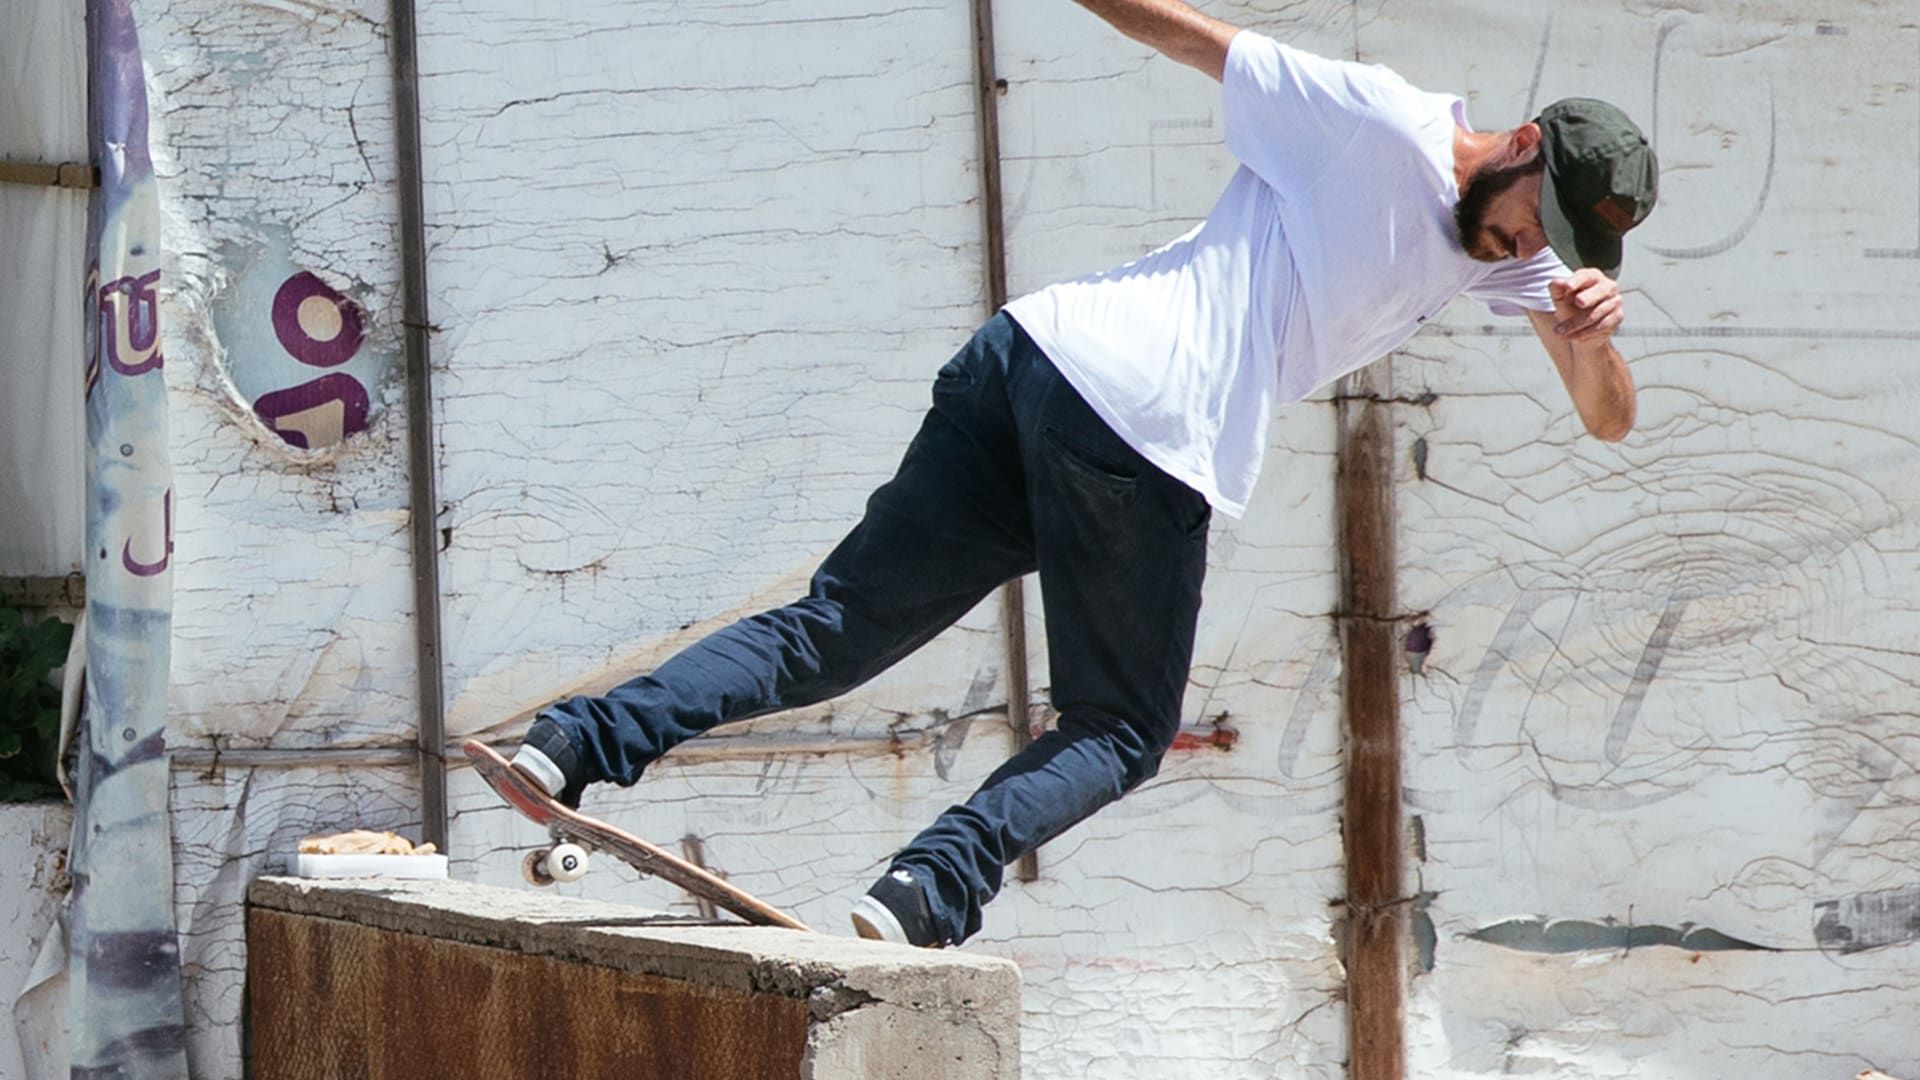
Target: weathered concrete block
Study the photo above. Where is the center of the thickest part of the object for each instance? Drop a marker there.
(374, 978)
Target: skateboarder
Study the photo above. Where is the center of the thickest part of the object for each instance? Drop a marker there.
(1089, 430)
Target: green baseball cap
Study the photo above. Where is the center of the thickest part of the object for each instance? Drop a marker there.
(1601, 181)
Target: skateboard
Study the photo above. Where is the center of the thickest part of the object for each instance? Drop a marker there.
(575, 834)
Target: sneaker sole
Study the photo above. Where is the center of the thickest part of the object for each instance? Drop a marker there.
(541, 769)
(872, 920)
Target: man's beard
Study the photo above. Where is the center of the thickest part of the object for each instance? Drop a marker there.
(1470, 213)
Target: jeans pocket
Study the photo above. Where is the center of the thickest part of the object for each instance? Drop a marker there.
(1090, 466)
(1202, 527)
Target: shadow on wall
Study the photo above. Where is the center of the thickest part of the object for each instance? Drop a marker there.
(295, 346)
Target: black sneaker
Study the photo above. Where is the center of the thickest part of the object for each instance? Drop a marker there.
(548, 756)
(896, 910)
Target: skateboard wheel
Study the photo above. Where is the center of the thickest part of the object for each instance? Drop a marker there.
(566, 862)
(534, 868)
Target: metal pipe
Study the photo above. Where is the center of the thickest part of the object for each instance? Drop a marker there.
(1013, 605)
(265, 757)
(425, 502)
(987, 89)
(710, 749)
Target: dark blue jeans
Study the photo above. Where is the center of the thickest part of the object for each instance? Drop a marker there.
(1010, 472)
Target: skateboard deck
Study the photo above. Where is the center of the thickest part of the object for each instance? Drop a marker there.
(567, 826)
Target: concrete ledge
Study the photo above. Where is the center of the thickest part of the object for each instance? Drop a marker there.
(325, 957)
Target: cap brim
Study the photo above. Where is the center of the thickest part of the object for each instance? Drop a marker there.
(1600, 252)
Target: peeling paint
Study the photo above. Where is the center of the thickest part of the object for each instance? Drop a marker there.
(1574, 935)
(1868, 921)
(1426, 939)
(293, 346)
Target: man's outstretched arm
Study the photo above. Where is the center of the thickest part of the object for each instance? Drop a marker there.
(1171, 27)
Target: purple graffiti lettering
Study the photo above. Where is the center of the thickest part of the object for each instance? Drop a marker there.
(315, 323)
(130, 323)
(140, 569)
(318, 413)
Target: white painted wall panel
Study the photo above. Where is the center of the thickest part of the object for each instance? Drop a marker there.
(1669, 687)
(1222, 962)
(693, 266)
(231, 825)
(672, 406)
(695, 270)
(33, 885)
(273, 142)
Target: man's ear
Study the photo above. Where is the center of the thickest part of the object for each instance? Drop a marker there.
(1524, 141)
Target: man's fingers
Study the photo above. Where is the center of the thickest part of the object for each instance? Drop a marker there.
(1585, 288)
(1590, 303)
(1584, 326)
(1600, 327)
(1594, 293)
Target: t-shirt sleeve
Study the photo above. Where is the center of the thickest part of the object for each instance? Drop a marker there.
(1517, 286)
(1289, 112)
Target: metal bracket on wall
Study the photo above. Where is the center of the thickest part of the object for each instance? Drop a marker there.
(44, 592)
(66, 174)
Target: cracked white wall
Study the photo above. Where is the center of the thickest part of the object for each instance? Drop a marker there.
(1673, 680)
(32, 1035)
(271, 128)
(693, 266)
(694, 291)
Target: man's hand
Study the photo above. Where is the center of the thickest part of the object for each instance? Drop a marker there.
(1171, 27)
(1586, 307)
(1578, 334)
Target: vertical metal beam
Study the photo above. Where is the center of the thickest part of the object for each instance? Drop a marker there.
(1013, 606)
(1371, 833)
(986, 85)
(431, 738)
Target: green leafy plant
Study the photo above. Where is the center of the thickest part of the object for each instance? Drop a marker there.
(29, 703)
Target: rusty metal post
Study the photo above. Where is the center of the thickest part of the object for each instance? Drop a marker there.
(431, 736)
(1371, 830)
(1013, 606)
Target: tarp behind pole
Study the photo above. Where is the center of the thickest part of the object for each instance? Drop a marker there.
(42, 120)
(124, 954)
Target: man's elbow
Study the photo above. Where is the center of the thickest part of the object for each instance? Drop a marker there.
(1613, 426)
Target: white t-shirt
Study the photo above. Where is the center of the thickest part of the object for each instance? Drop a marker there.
(1330, 247)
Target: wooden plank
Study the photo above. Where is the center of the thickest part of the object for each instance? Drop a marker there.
(1377, 923)
(44, 592)
(66, 174)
